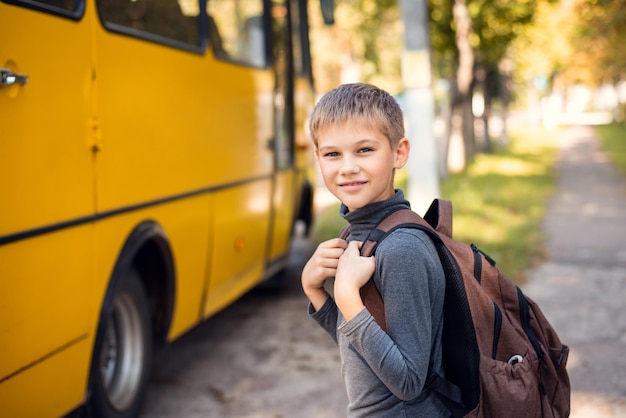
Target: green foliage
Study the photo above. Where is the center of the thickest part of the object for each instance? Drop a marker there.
(365, 41)
(578, 41)
(598, 41)
(613, 140)
(544, 48)
(328, 223)
(495, 24)
(499, 203)
(442, 38)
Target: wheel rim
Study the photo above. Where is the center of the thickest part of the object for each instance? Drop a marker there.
(122, 355)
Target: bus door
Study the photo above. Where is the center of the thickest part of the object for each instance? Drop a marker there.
(284, 187)
(47, 204)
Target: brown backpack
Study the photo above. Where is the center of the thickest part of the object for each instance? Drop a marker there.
(501, 356)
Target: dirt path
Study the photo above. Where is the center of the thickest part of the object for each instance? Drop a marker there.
(582, 288)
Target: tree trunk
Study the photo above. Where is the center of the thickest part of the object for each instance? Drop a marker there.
(483, 79)
(443, 138)
(461, 123)
(462, 119)
(505, 71)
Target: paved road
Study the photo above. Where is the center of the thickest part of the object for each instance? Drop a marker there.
(263, 358)
(260, 358)
(582, 288)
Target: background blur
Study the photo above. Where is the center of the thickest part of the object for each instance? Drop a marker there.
(553, 60)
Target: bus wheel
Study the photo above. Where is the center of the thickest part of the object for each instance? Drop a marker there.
(122, 358)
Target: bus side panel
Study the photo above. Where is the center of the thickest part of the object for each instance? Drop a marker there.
(45, 334)
(241, 223)
(57, 385)
(186, 224)
(173, 122)
(46, 181)
(46, 164)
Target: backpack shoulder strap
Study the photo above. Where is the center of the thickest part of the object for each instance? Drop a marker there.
(392, 221)
(345, 232)
(397, 219)
(369, 293)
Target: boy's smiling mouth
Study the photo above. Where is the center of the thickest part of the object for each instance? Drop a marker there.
(351, 186)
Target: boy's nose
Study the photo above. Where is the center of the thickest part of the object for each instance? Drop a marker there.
(349, 166)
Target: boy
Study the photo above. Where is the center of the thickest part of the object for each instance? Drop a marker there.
(358, 132)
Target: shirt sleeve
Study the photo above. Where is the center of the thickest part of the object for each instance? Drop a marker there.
(326, 317)
(407, 267)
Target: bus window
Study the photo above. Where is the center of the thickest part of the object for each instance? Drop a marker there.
(236, 30)
(158, 20)
(68, 8)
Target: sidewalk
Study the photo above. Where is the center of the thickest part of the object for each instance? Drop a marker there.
(582, 288)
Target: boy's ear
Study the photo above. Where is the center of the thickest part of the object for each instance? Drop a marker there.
(402, 153)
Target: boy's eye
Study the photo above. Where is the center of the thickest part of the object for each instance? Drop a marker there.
(331, 154)
(366, 149)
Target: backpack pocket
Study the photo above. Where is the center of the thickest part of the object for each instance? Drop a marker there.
(556, 403)
(508, 389)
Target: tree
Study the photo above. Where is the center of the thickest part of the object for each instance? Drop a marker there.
(597, 39)
(364, 44)
(480, 33)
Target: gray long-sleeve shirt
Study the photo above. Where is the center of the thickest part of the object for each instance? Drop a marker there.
(384, 373)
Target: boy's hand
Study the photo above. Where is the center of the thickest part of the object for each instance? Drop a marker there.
(321, 266)
(353, 271)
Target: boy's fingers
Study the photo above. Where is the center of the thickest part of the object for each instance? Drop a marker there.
(355, 246)
(342, 243)
(335, 243)
(358, 244)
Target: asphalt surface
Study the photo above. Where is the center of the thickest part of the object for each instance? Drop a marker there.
(582, 287)
(263, 358)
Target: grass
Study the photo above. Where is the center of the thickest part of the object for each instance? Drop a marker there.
(499, 202)
(613, 140)
(327, 224)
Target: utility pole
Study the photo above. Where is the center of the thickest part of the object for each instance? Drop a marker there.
(423, 173)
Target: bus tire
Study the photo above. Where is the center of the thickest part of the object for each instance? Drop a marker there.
(122, 357)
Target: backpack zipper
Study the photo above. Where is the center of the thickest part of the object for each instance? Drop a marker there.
(478, 250)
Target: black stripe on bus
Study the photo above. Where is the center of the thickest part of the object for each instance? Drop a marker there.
(44, 357)
(35, 232)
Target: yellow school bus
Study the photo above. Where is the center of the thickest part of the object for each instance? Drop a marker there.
(153, 163)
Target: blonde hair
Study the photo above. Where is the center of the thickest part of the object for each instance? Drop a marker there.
(360, 102)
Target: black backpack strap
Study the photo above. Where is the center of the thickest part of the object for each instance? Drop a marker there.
(447, 392)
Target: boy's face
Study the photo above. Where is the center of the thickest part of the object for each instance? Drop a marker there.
(358, 164)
